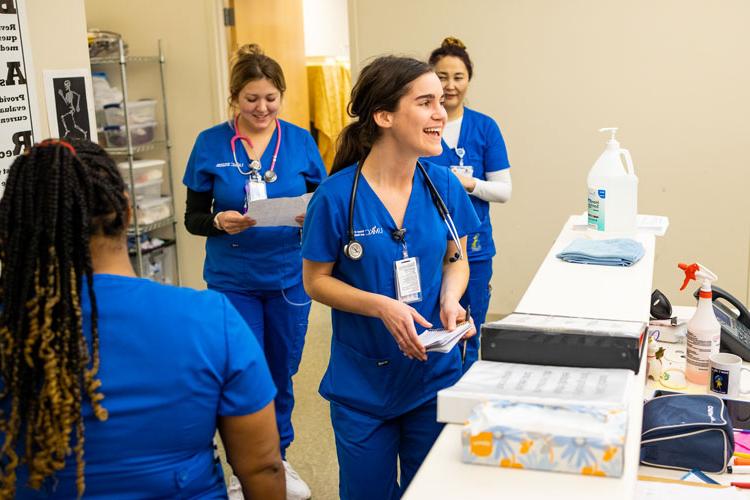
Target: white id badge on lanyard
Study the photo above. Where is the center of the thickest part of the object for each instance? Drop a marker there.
(466, 170)
(462, 169)
(408, 284)
(255, 189)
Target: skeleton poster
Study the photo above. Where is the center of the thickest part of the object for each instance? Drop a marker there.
(70, 104)
(19, 126)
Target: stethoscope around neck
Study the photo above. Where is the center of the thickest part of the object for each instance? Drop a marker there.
(354, 249)
(255, 166)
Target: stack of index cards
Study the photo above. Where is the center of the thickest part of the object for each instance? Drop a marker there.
(442, 340)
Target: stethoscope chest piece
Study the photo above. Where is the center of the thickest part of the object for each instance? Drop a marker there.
(270, 176)
(354, 250)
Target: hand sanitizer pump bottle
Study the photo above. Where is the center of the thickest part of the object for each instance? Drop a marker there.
(613, 190)
(704, 330)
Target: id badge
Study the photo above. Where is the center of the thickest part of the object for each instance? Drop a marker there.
(466, 170)
(408, 284)
(255, 189)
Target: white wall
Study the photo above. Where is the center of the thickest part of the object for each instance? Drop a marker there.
(671, 74)
(57, 32)
(326, 28)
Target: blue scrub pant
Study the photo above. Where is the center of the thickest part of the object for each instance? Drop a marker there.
(368, 449)
(280, 328)
(478, 296)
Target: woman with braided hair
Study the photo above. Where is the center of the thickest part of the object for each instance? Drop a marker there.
(112, 385)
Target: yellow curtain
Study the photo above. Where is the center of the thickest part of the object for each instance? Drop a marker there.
(329, 83)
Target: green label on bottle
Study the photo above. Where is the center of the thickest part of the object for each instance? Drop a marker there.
(596, 208)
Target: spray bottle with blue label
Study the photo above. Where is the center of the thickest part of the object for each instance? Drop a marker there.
(613, 190)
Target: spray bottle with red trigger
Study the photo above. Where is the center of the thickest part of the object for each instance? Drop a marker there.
(704, 330)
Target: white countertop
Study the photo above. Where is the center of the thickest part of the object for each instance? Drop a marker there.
(563, 289)
(585, 291)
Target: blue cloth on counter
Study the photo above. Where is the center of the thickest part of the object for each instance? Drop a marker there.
(616, 252)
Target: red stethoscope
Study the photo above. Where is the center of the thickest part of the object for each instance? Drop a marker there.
(270, 175)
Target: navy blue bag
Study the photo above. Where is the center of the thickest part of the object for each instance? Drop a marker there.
(687, 431)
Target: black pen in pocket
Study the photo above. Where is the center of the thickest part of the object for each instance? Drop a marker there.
(463, 347)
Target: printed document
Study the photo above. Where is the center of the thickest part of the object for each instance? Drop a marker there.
(442, 340)
(273, 212)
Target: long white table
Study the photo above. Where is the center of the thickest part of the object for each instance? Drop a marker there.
(569, 290)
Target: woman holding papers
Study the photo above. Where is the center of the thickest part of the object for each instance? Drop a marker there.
(474, 150)
(251, 157)
(379, 249)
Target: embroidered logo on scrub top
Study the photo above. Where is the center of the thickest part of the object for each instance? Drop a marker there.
(475, 245)
(228, 164)
(358, 233)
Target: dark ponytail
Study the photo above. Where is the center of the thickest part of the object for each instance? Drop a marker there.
(380, 87)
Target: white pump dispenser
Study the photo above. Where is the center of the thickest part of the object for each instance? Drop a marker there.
(612, 190)
(704, 330)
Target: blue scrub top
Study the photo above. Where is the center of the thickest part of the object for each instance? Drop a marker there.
(262, 258)
(172, 361)
(367, 371)
(485, 151)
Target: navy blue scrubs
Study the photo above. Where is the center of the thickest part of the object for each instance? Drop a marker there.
(382, 403)
(260, 269)
(485, 151)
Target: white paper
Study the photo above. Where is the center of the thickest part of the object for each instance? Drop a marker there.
(666, 491)
(493, 381)
(656, 224)
(274, 212)
(569, 325)
(442, 340)
(19, 123)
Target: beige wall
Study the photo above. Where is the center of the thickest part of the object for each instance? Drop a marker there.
(57, 32)
(671, 74)
(188, 33)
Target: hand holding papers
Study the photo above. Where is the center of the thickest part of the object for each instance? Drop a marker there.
(278, 211)
(442, 340)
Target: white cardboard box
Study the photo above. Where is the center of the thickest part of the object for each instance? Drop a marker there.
(494, 381)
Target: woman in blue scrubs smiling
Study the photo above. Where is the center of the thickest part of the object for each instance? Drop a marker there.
(392, 244)
(253, 156)
(474, 150)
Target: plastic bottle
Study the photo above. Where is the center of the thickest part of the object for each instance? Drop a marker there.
(704, 330)
(612, 190)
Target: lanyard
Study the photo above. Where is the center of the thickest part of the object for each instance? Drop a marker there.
(460, 152)
(239, 137)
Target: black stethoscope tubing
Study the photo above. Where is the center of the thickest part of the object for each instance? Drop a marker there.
(354, 249)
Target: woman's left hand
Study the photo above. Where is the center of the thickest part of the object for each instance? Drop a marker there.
(451, 313)
(468, 182)
(300, 219)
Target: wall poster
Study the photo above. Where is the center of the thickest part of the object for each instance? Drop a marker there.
(19, 127)
(70, 103)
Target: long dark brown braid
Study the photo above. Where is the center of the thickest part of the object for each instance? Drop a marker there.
(57, 196)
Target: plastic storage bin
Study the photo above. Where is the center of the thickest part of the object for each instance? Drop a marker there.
(159, 264)
(150, 210)
(143, 170)
(139, 134)
(139, 112)
(147, 190)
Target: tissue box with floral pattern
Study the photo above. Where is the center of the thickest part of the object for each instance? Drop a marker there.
(575, 439)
